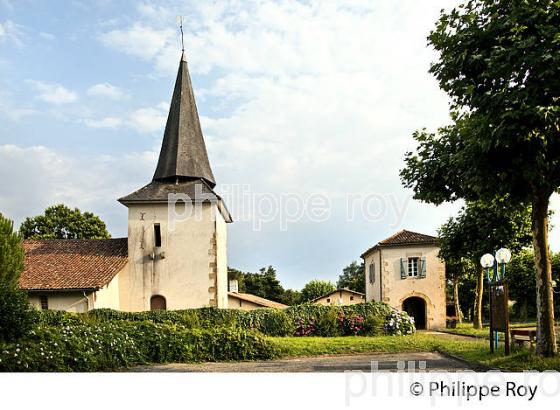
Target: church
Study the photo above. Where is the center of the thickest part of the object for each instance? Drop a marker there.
(175, 254)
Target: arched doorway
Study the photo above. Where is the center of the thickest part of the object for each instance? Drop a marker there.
(157, 302)
(416, 307)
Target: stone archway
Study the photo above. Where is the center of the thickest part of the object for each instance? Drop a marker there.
(158, 302)
(416, 307)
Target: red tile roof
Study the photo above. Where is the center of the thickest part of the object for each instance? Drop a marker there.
(404, 238)
(257, 300)
(57, 264)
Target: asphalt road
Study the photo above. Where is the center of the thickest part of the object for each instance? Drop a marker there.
(430, 361)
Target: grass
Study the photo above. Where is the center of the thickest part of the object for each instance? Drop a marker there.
(475, 351)
(467, 329)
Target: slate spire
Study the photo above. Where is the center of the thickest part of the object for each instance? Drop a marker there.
(183, 155)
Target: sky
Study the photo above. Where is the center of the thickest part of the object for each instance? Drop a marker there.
(307, 108)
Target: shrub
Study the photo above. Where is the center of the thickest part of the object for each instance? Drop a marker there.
(328, 323)
(301, 320)
(16, 314)
(305, 328)
(352, 325)
(399, 323)
(109, 345)
(374, 326)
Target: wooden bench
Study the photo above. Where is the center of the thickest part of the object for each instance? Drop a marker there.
(521, 335)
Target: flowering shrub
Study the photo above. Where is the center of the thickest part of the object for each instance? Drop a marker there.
(352, 325)
(399, 323)
(304, 328)
(111, 344)
(370, 318)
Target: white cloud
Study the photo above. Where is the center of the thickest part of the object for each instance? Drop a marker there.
(105, 122)
(138, 40)
(106, 90)
(11, 32)
(149, 119)
(45, 177)
(53, 93)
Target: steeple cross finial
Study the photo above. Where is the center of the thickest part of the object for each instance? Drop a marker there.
(180, 20)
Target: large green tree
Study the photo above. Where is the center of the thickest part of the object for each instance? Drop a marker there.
(353, 277)
(499, 61)
(316, 288)
(61, 222)
(479, 228)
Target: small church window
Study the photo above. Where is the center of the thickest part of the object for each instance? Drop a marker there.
(157, 235)
(413, 267)
(44, 302)
(372, 273)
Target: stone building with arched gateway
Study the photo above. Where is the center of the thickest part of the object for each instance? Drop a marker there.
(405, 271)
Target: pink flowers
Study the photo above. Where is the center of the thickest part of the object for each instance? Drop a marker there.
(305, 329)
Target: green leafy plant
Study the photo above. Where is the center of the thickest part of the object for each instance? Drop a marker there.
(16, 314)
(88, 346)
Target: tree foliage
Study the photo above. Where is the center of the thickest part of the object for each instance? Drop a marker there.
(499, 61)
(483, 227)
(11, 252)
(353, 277)
(16, 314)
(520, 274)
(264, 284)
(61, 222)
(315, 289)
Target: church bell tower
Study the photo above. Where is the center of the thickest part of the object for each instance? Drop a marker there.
(177, 224)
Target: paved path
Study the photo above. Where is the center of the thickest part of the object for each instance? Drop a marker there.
(338, 363)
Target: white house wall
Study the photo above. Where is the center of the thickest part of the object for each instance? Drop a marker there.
(108, 296)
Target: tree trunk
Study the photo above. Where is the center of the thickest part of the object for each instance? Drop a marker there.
(456, 300)
(477, 320)
(546, 337)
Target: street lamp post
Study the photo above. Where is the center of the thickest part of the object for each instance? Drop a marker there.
(495, 266)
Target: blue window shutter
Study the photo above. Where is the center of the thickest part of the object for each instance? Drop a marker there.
(423, 267)
(403, 270)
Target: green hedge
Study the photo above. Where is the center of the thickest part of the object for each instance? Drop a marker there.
(370, 318)
(84, 345)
